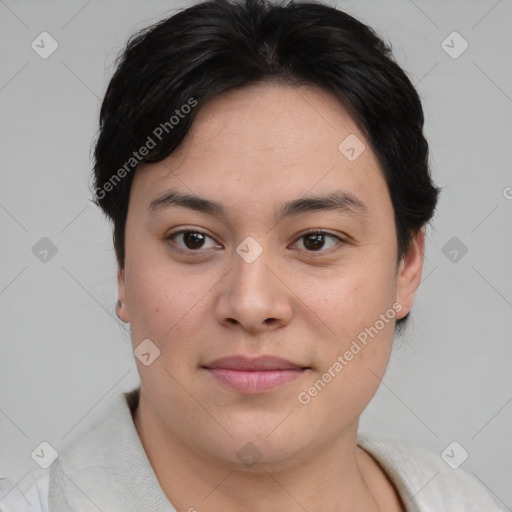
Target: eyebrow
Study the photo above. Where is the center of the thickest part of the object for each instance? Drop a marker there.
(338, 200)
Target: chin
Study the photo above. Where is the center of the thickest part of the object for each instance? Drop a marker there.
(253, 451)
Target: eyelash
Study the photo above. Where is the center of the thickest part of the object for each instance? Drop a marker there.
(303, 235)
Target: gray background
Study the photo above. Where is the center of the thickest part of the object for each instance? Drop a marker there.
(65, 355)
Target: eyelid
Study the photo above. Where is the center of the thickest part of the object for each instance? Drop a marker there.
(170, 237)
(320, 231)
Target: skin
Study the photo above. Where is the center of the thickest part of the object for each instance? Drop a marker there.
(252, 149)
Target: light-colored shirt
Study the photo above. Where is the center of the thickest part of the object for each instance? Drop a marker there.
(107, 469)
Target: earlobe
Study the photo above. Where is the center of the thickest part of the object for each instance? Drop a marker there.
(409, 272)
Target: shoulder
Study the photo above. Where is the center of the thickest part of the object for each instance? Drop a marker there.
(87, 450)
(30, 494)
(424, 480)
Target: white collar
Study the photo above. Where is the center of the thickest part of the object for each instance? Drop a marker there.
(107, 469)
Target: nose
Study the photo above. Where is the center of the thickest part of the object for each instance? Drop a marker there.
(254, 295)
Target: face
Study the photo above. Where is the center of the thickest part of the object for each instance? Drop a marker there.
(252, 278)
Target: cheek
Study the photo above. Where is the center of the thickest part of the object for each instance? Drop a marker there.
(168, 303)
(353, 299)
(358, 309)
(363, 321)
(350, 372)
(150, 300)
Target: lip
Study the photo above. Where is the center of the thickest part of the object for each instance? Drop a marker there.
(261, 363)
(254, 375)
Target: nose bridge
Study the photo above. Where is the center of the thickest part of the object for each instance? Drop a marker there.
(254, 294)
(251, 276)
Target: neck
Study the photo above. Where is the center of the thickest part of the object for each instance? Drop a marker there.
(340, 477)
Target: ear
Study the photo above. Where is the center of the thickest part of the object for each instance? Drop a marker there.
(409, 273)
(122, 310)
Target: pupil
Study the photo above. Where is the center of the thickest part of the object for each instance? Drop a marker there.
(318, 241)
(193, 240)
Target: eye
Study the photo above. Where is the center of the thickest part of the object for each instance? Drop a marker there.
(192, 239)
(314, 240)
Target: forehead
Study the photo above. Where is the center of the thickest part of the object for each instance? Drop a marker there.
(271, 119)
(264, 141)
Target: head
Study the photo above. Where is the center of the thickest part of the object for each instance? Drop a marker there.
(281, 120)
